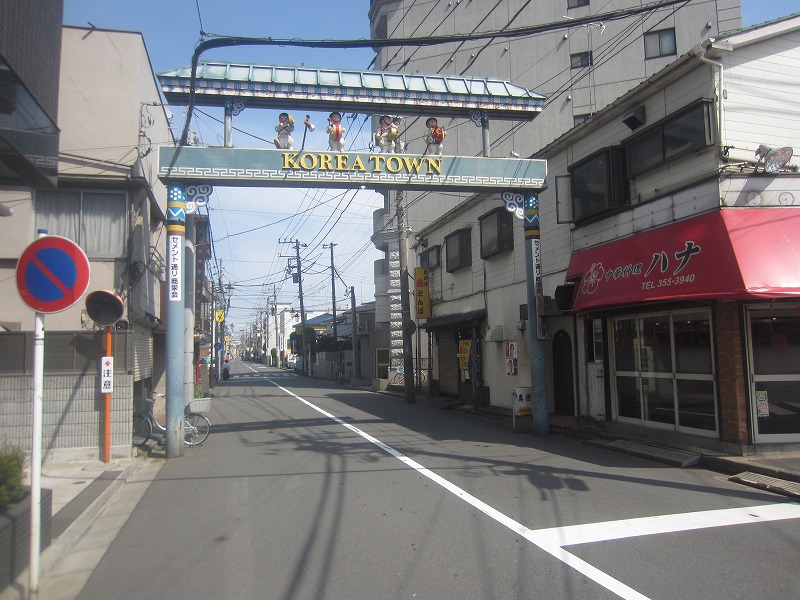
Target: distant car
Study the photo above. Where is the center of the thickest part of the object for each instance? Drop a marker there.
(291, 362)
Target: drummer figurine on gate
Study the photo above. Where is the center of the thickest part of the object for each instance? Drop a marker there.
(285, 126)
(434, 137)
(387, 134)
(335, 132)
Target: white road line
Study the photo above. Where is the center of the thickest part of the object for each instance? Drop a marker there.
(554, 539)
(626, 528)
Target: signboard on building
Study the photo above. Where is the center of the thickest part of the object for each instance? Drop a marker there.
(463, 354)
(422, 297)
(273, 168)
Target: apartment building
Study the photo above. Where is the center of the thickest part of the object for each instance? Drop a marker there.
(103, 193)
(581, 56)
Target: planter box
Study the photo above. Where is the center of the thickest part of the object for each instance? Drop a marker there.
(15, 536)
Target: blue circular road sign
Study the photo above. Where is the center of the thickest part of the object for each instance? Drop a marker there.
(52, 274)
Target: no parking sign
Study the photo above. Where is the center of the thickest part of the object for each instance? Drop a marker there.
(52, 274)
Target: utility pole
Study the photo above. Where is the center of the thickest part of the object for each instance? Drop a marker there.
(266, 335)
(275, 314)
(356, 361)
(333, 293)
(405, 302)
(302, 308)
(299, 275)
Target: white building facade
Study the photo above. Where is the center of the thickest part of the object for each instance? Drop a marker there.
(580, 62)
(108, 200)
(680, 207)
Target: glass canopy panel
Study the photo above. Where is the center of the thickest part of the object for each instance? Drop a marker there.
(394, 82)
(436, 84)
(307, 76)
(477, 87)
(215, 71)
(329, 77)
(351, 79)
(416, 83)
(497, 88)
(283, 75)
(458, 86)
(239, 73)
(373, 81)
(262, 74)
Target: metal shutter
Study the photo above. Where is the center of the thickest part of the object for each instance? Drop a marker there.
(448, 362)
(142, 353)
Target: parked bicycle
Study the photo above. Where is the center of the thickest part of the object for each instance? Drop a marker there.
(196, 427)
(420, 377)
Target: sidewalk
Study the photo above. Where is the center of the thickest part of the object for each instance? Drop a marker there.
(91, 502)
(774, 468)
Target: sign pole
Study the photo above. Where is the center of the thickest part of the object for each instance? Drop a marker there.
(36, 456)
(107, 403)
(52, 274)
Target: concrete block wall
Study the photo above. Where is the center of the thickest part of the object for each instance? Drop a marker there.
(72, 416)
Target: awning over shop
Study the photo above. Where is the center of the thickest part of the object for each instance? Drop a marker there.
(466, 319)
(730, 254)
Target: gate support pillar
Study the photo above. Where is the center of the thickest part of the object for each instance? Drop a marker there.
(536, 337)
(176, 233)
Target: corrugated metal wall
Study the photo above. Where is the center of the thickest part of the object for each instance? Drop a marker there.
(448, 362)
(142, 353)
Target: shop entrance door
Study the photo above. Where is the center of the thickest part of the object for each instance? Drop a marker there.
(774, 357)
(563, 382)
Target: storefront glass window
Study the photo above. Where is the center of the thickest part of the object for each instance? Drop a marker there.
(775, 355)
(628, 397)
(776, 340)
(693, 343)
(777, 410)
(655, 351)
(659, 400)
(664, 370)
(624, 339)
(696, 407)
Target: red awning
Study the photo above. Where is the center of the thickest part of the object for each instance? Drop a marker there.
(735, 253)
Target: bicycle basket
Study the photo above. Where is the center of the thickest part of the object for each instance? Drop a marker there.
(201, 406)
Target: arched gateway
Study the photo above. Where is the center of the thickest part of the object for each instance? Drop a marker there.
(237, 87)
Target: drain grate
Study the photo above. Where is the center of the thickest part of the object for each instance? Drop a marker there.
(765, 482)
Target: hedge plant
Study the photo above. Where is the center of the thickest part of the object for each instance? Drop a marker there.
(12, 462)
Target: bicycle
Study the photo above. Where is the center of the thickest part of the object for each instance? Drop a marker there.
(420, 377)
(196, 427)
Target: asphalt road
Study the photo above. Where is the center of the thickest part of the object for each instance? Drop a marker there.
(309, 490)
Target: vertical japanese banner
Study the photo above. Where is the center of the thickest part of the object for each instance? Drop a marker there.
(422, 299)
(463, 354)
(176, 231)
(106, 374)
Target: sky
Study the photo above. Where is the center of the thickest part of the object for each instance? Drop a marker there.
(250, 226)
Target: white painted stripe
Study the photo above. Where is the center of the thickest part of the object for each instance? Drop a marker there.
(553, 539)
(627, 528)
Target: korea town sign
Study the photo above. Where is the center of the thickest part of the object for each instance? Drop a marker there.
(264, 167)
(376, 163)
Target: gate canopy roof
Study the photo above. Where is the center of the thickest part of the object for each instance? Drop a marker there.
(370, 92)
